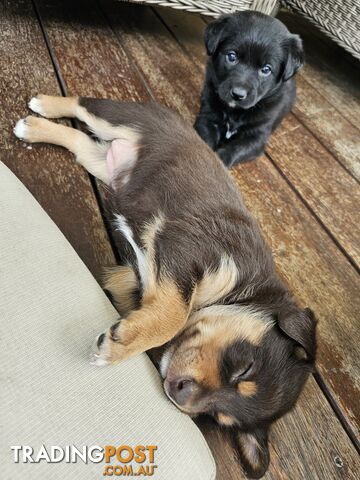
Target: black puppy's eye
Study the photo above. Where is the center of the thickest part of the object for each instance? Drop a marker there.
(231, 57)
(242, 373)
(265, 71)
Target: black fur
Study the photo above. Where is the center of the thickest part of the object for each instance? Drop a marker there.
(257, 40)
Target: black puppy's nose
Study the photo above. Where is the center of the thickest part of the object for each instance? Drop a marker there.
(238, 93)
(180, 389)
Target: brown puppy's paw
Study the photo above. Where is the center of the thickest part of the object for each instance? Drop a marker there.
(108, 347)
(38, 105)
(30, 129)
(53, 107)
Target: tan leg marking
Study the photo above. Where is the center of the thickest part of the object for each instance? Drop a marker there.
(105, 130)
(226, 420)
(121, 282)
(54, 107)
(91, 155)
(160, 318)
(247, 389)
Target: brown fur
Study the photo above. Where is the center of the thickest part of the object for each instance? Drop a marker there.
(195, 258)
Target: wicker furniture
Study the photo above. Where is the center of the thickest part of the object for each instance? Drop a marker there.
(215, 7)
(340, 19)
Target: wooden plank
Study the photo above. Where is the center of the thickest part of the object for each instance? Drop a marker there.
(331, 70)
(329, 191)
(331, 458)
(188, 29)
(187, 24)
(60, 186)
(99, 57)
(166, 68)
(328, 94)
(334, 131)
(139, 35)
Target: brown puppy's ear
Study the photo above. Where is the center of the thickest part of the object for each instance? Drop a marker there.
(214, 34)
(300, 325)
(253, 451)
(295, 59)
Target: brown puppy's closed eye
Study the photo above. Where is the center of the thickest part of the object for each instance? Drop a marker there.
(197, 274)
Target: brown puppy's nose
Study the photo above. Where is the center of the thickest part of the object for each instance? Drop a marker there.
(238, 93)
(180, 389)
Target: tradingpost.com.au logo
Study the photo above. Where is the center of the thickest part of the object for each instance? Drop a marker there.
(125, 460)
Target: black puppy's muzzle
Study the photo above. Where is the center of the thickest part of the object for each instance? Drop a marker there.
(238, 93)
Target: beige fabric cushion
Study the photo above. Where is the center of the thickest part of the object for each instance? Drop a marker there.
(51, 309)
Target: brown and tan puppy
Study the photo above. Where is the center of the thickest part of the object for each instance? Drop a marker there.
(198, 276)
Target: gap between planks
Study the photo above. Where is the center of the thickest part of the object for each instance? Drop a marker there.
(76, 124)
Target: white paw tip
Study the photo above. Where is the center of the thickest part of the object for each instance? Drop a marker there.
(35, 105)
(20, 128)
(96, 360)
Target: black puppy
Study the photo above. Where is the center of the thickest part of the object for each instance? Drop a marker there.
(248, 85)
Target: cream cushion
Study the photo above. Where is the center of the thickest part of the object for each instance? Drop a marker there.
(51, 309)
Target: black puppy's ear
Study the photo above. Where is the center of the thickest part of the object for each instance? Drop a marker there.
(214, 34)
(253, 451)
(295, 56)
(300, 325)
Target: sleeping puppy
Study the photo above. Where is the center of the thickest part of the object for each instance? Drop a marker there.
(249, 85)
(198, 278)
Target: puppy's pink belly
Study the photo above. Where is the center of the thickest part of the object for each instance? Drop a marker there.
(120, 159)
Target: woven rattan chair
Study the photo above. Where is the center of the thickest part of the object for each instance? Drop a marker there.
(340, 19)
(215, 7)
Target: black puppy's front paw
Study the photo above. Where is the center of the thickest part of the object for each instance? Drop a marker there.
(225, 156)
(209, 132)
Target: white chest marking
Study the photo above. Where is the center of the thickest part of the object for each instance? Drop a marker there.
(229, 133)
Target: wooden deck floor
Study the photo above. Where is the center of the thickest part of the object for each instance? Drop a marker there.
(304, 191)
